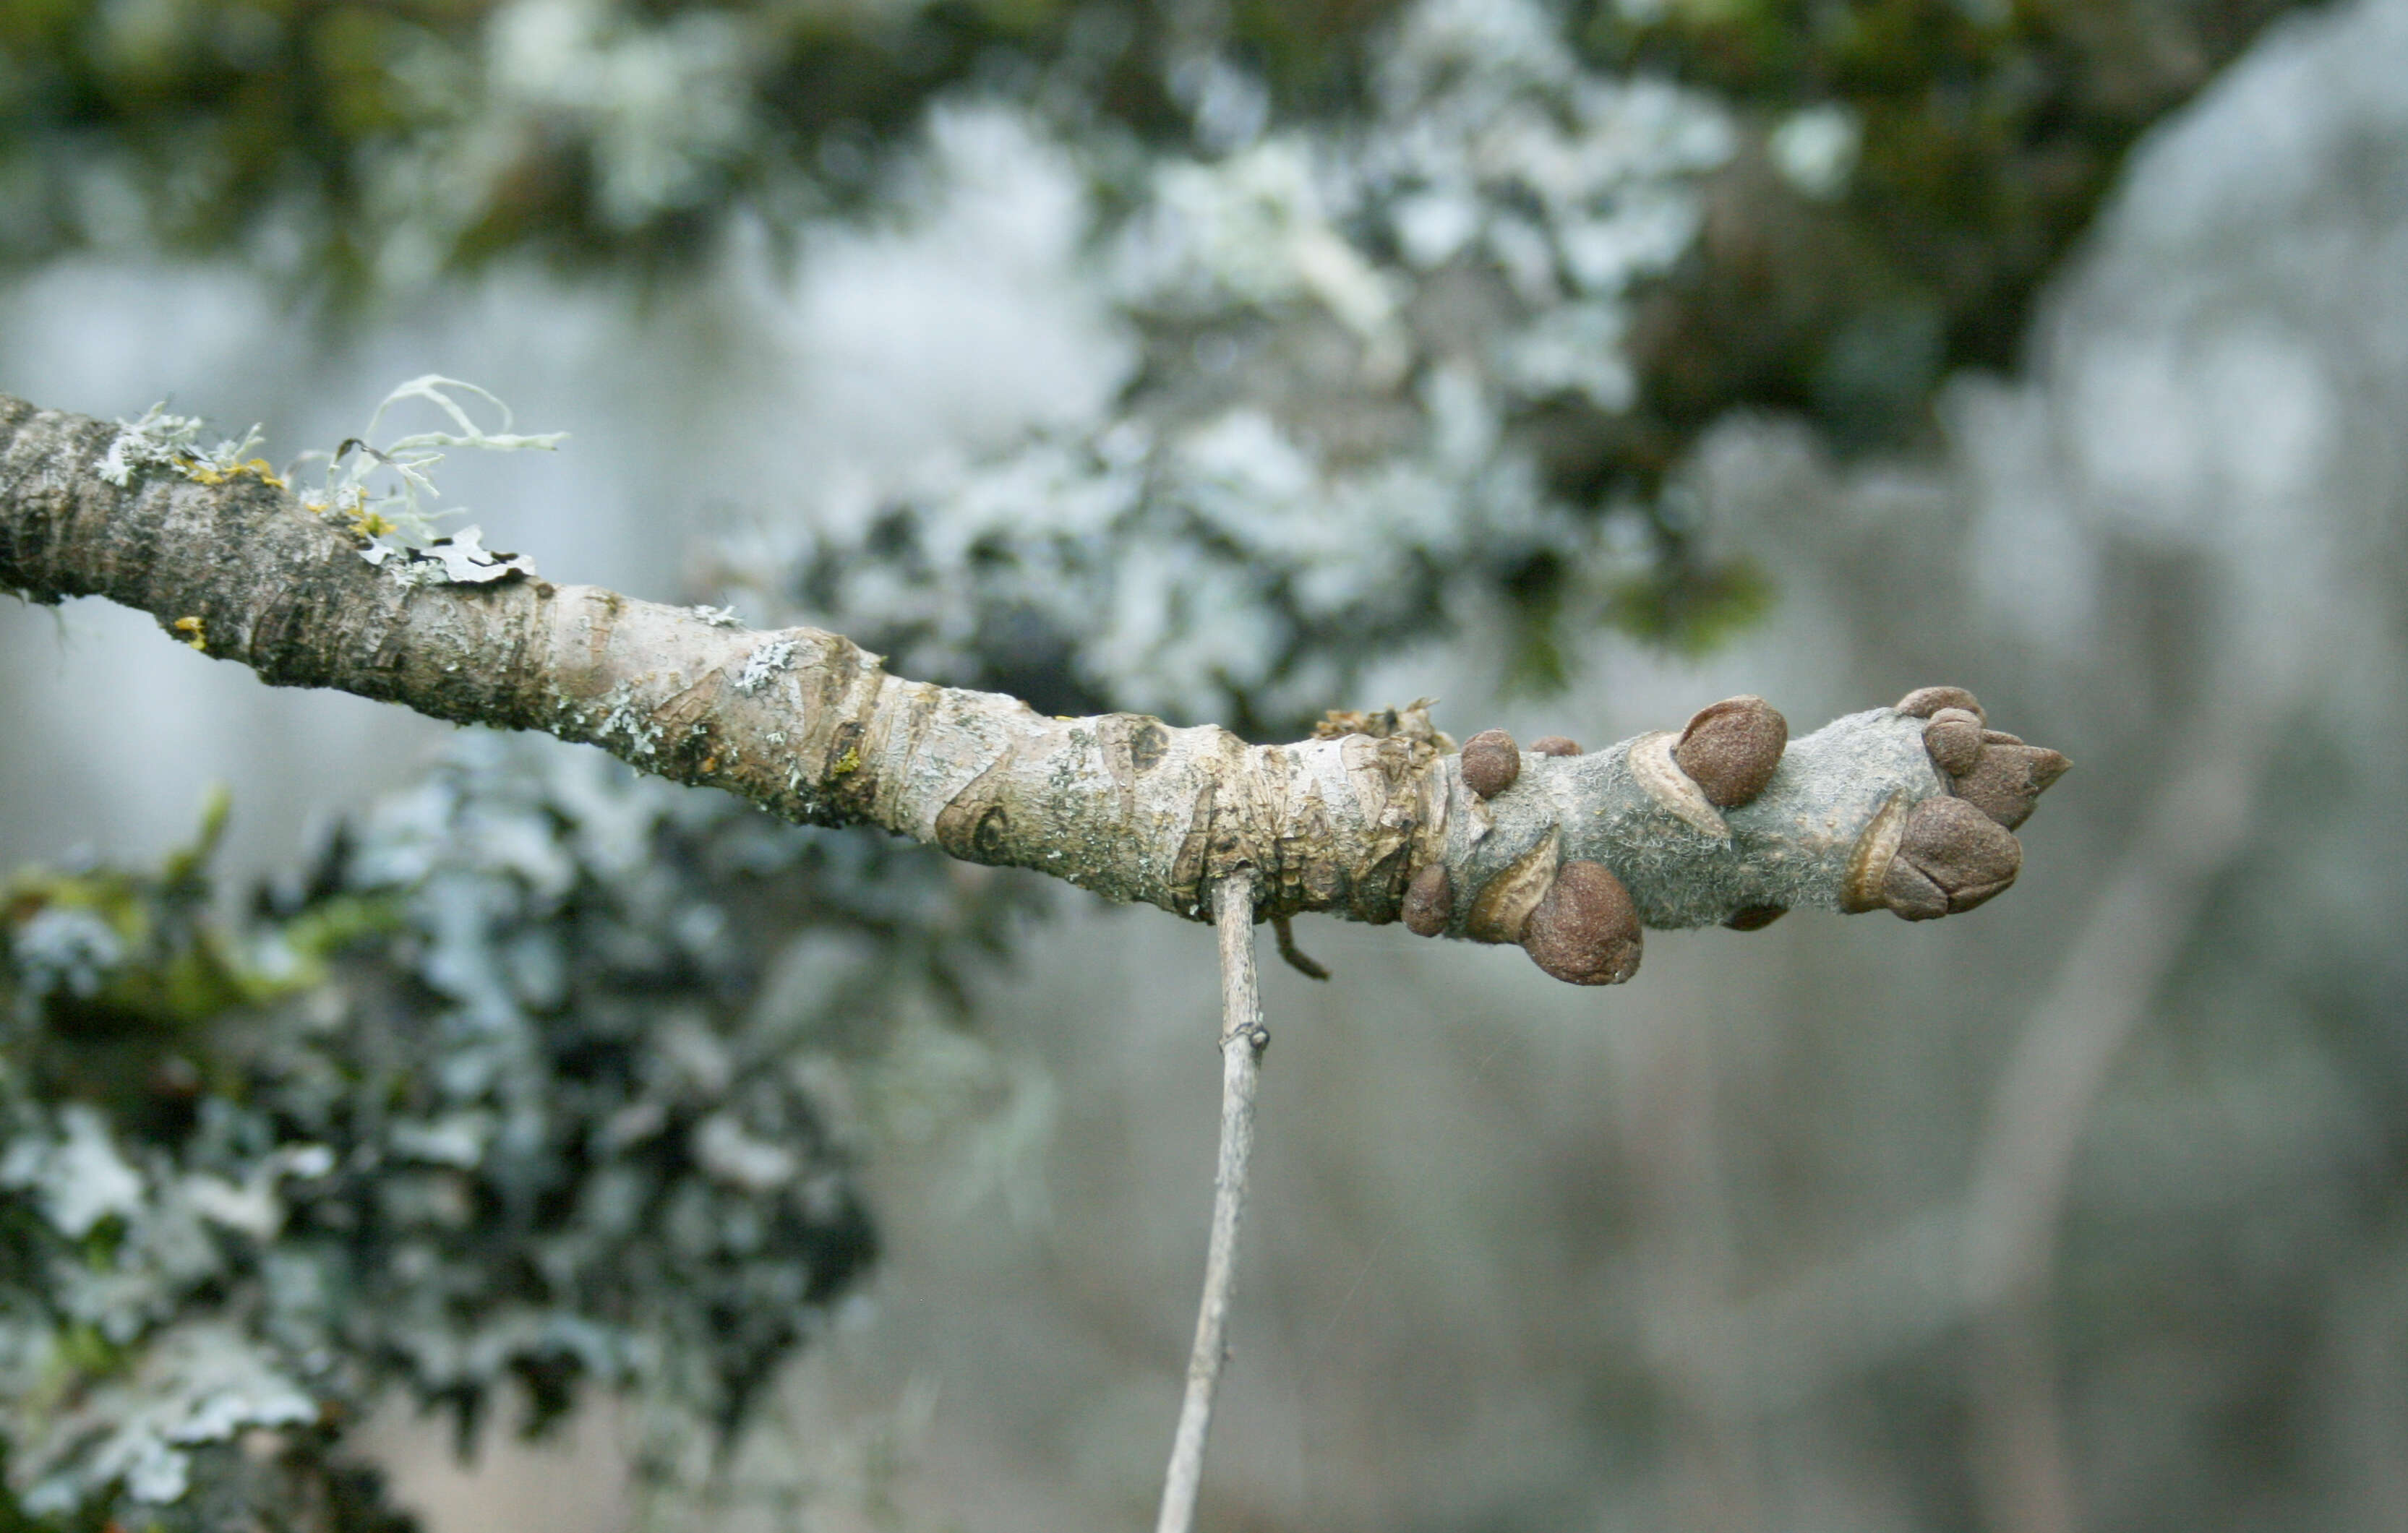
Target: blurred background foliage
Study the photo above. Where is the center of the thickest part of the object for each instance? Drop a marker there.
(1234, 362)
(1904, 173)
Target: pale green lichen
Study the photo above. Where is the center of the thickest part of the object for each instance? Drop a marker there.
(384, 493)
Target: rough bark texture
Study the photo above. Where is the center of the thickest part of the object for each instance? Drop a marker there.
(810, 726)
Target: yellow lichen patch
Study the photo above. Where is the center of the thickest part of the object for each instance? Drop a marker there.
(196, 633)
(846, 764)
(202, 471)
(366, 521)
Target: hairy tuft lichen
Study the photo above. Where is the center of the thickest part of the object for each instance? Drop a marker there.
(383, 496)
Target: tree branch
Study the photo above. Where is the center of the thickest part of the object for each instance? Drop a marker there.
(1730, 822)
(1243, 1038)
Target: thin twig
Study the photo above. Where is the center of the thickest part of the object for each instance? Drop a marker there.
(1297, 959)
(1243, 1039)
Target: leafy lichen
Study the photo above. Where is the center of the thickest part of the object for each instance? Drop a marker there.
(161, 440)
(520, 1084)
(768, 657)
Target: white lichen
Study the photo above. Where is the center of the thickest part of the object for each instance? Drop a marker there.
(161, 440)
(662, 107)
(80, 1176)
(1815, 150)
(176, 1283)
(1319, 461)
(158, 439)
(626, 717)
(64, 948)
(767, 659)
(197, 1384)
(461, 559)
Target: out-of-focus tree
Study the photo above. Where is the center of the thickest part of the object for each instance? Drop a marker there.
(1427, 303)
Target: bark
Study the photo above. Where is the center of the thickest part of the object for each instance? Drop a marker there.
(810, 726)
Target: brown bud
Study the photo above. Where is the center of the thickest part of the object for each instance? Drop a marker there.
(1950, 853)
(2006, 780)
(2000, 737)
(1585, 931)
(1491, 761)
(1923, 702)
(1429, 902)
(1954, 739)
(1731, 749)
(1554, 745)
(1914, 896)
(1755, 918)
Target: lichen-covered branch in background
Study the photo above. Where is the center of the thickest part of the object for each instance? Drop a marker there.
(1376, 819)
(511, 1091)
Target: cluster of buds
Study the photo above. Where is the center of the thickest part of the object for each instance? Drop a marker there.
(1943, 856)
(1956, 852)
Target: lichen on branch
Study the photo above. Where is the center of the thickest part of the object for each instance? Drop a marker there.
(1375, 819)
